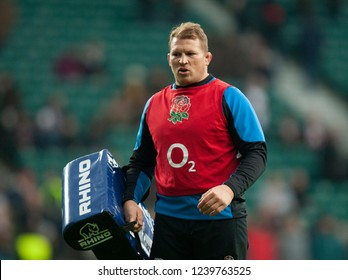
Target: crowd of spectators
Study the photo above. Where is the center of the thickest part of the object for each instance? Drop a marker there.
(31, 207)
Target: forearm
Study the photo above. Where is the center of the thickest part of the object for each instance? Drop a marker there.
(139, 171)
(252, 165)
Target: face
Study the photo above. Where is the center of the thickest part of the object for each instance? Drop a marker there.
(188, 61)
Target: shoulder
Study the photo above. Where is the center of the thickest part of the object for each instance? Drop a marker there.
(234, 95)
(158, 97)
(221, 83)
(161, 92)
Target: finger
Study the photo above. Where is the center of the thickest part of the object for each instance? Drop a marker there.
(130, 217)
(206, 196)
(137, 228)
(205, 206)
(217, 210)
(207, 210)
(214, 209)
(140, 217)
(205, 200)
(213, 213)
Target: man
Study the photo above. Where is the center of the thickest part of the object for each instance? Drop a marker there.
(201, 139)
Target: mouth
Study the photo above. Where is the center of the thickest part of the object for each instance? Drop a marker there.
(182, 70)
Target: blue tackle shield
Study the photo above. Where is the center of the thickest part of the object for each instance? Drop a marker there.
(93, 217)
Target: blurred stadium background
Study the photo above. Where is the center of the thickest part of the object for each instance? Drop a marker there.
(74, 74)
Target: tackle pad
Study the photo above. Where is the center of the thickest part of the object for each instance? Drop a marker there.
(93, 217)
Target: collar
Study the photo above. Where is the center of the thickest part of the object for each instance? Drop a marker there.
(203, 82)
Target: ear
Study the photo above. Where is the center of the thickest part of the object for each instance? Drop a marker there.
(208, 58)
(168, 58)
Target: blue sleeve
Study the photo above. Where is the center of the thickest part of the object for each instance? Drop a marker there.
(245, 119)
(142, 187)
(247, 134)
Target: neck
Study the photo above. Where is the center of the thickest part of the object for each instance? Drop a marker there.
(202, 82)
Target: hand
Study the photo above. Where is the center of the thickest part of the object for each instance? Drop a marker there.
(215, 200)
(132, 212)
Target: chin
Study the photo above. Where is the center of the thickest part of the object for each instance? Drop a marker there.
(183, 82)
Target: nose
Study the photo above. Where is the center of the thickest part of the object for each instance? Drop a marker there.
(183, 59)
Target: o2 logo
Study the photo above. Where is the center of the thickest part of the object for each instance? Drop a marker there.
(184, 160)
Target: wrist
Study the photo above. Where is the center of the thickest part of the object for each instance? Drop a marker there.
(228, 190)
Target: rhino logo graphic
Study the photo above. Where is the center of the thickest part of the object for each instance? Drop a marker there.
(88, 230)
(179, 109)
(92, 235)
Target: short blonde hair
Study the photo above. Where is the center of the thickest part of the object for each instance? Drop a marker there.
(189, 30)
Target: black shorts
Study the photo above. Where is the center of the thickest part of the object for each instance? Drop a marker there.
(179, 239)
